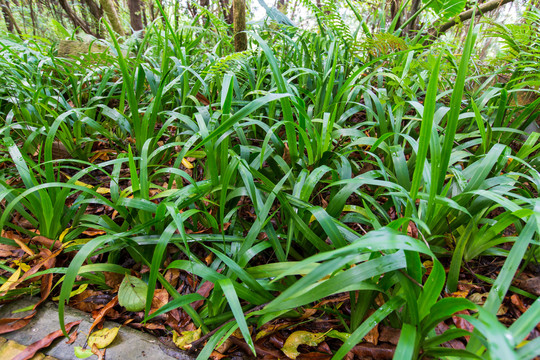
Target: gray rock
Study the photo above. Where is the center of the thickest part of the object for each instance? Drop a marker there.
(129, 344)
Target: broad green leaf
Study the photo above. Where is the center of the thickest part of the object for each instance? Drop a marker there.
(132, 293)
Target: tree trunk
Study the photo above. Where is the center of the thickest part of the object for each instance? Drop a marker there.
(97, 14)
(135, 15)
(11, 24)
(413, 24)
(109, 8)
(76, 20)
(240, 36)
(227, 11)
(32, 16)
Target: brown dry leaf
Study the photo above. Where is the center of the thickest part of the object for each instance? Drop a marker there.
(531, 285)
(379, 352)
(11, 324)
(48, 243)
(390, 335)
(412, 230)
(93, 232)
(172, 276)
(460, 294)
(160, 299)
(373, 335)
(314, 356)
(72, 338)
(217, 355)
(454, 344)
(31, 350)
(462, 323)
(113, 280)
(100, 353)
(101, 314)
(270, 329)
(341, 298)
(78, 301)
(204, 290)
(518, 303)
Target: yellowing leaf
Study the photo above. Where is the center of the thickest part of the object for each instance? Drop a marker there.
(187, 164)
(22, 265)
(23, 246)
(12, 279)
(63, 234)
(185, 338)
(297, 338)
(100, 190)
(74, 292)
(103, 338)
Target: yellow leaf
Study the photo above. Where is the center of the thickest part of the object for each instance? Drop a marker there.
(12, 279)
(63, 234)
(185, 338)
(187, 164)
(99, 190)
(23, 266)
(103, 338)
(23, 246)
(297, 338)
(74, 292)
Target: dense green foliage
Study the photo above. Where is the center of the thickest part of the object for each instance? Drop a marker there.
(321, 165)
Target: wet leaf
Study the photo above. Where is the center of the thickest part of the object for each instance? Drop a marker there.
(103, 338)
(298, 338)
(31, 350)
(185, 338)
(132, 293)
(82, 353)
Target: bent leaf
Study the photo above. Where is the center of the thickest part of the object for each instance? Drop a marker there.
(82, 353)
(297, 338)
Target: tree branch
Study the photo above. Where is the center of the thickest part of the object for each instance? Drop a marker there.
(466, 15)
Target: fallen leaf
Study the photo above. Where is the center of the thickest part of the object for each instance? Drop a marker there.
(72, 338)
(100, 353)
(531, 285)
(160, 299)
(373, 335)
(390, 335)
(99, 317)
(379, 352)
(11, 324)
(82, 353)
(270, 329)
(518, 303)
(103, 338)
(31, 350)
(10, 281)
(297, 338)
(132, 293)
(204, 290)
(185, 338)
(463, 324)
